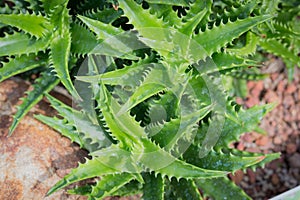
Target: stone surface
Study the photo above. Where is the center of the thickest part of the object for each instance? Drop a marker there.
(35, 157)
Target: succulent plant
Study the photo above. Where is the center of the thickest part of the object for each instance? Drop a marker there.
(154, 111)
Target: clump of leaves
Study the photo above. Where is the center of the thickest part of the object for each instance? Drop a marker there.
(38, 36)
(157, 121)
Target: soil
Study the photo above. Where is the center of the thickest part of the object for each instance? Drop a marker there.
(282, 126)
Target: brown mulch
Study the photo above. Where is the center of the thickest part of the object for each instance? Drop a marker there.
(283, 134)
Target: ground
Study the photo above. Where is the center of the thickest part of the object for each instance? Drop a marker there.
(282, 127)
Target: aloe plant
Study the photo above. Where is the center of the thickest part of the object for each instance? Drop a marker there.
(156, 120)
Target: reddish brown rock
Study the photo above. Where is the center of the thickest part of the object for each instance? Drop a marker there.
(275, 179)
(250, 102)
(277, 140)
(281, 86)
(291, 148)
(262, 141)
(283, 130)
(272, 97)
(257, 89)
(250, 84)
(252, 176)
(240, 146)
(288, 100)
(291, 88)
(237, 177)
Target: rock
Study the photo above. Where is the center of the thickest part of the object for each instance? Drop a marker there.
(257, 89)
(237, 177)
(291, 148)
(272, 97)
(281, 86)
(250, 102)
(288, 100)
(274, 76)
(294, 160)
(277, 140)
(275, 179)
(291, 88)
(250, 84)
(252, 176)
(262, 141)
(240, 146)
(32, 157)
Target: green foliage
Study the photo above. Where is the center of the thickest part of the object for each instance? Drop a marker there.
(157, 120)
(43, 84)
(221, 188)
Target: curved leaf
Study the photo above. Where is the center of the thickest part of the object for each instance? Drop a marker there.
(43, 85)
(18, 43)
(36, 25)
(19, 65)
(60, 52)
(226, 159)
(90, 169)
(170, 2)
(156, 159)
(110, 184)
(212, 40)
(83, 41)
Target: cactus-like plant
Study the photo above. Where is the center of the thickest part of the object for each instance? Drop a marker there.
(157, 120)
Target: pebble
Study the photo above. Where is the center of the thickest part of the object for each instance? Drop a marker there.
(237, 177)
(294, 160)
(288, 100)
(275, 179)
(291, 89)
(277, 140)
(291, 148)
(262, 141)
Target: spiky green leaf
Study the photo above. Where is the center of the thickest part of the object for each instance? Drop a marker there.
(18, 43)
(92, 132)
(226, 159)
(90, 169)
(221, 188)
(214, 39)
(110, 184)
(43, 84)
(83, 41)
(35, 25)
(280, 49)
(170, 2)
(248, 118)
(19, 65)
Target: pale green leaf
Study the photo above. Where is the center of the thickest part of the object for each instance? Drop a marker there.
(19, 43)
(212, 40)
(35, 25)
(19, 65)
(170, 2)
